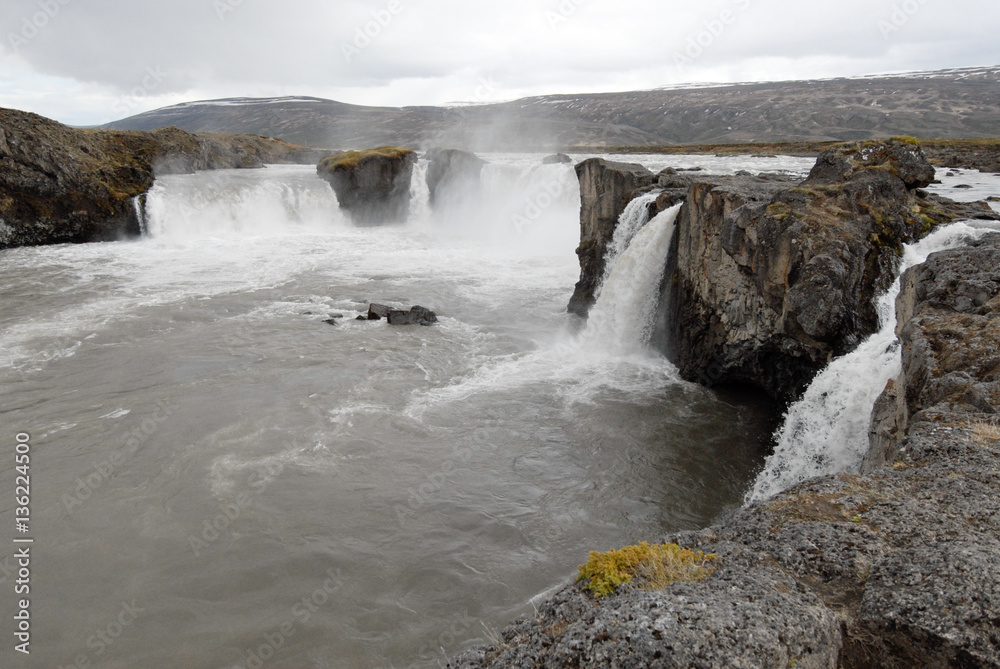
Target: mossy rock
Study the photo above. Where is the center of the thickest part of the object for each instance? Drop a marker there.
(656, 566)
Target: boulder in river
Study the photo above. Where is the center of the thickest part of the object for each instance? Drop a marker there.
(373, 186)
(557, 159)
(417, 315)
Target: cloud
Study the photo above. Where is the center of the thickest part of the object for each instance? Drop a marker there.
(411, 52)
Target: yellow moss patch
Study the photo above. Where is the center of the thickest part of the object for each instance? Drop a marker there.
(657, 566)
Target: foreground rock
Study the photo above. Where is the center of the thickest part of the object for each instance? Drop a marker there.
(60, 184)
(893, 568)
(606, 188)
(770, 281)
(373, 186)
(453, 176)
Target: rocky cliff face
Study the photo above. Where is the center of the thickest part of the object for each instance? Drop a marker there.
(59, 184)
(372, 185)
(770, 280)
(893, 568)
(605, 190)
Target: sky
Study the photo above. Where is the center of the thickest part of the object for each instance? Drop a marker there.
(88, 62)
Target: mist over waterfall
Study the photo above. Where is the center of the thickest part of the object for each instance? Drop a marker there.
(621, 322)
(826, 432)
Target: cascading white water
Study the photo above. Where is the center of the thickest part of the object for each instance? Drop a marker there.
(621, 321)
(231, 203)
(826, 432)
(635, 216)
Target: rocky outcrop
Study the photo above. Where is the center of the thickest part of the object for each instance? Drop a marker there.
(453, 176)
(891, 568)
(770, 281)
(59, 184)
(373, 186)
(605, 190)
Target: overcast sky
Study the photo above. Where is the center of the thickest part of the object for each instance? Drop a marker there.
(93, 61)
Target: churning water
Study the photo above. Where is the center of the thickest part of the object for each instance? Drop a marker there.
(222, 479)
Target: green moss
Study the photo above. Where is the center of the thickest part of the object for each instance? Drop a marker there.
(657, 566)
(351, 159)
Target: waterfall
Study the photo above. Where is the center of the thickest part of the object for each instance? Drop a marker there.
(140, 213)
(635, 216)
(826, 432)
(621, 321)
(237, 203)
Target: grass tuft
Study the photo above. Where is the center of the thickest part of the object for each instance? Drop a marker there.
(986, 434)
(656, 566)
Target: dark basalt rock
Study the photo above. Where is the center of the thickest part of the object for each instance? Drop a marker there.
(415, 316)
(605, 190)
(373, 186)
(377, 312)
(453, 176)
(770, 280)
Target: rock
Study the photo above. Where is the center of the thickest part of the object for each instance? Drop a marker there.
(965, 186)
(900, 156)
(331, 321)
(772, 279)
(557, 159)
(690, 169)
(415, 316)
(453, 176)
(335, 316)
(377, 312)
(605, 189)
(60, 184)
(362, 318)
(373, 186)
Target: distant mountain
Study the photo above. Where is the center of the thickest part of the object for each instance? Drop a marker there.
(938, 104)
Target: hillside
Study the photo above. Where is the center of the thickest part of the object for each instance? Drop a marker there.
(940, 104)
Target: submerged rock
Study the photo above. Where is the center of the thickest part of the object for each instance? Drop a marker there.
(453, 176)
(373, 186)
